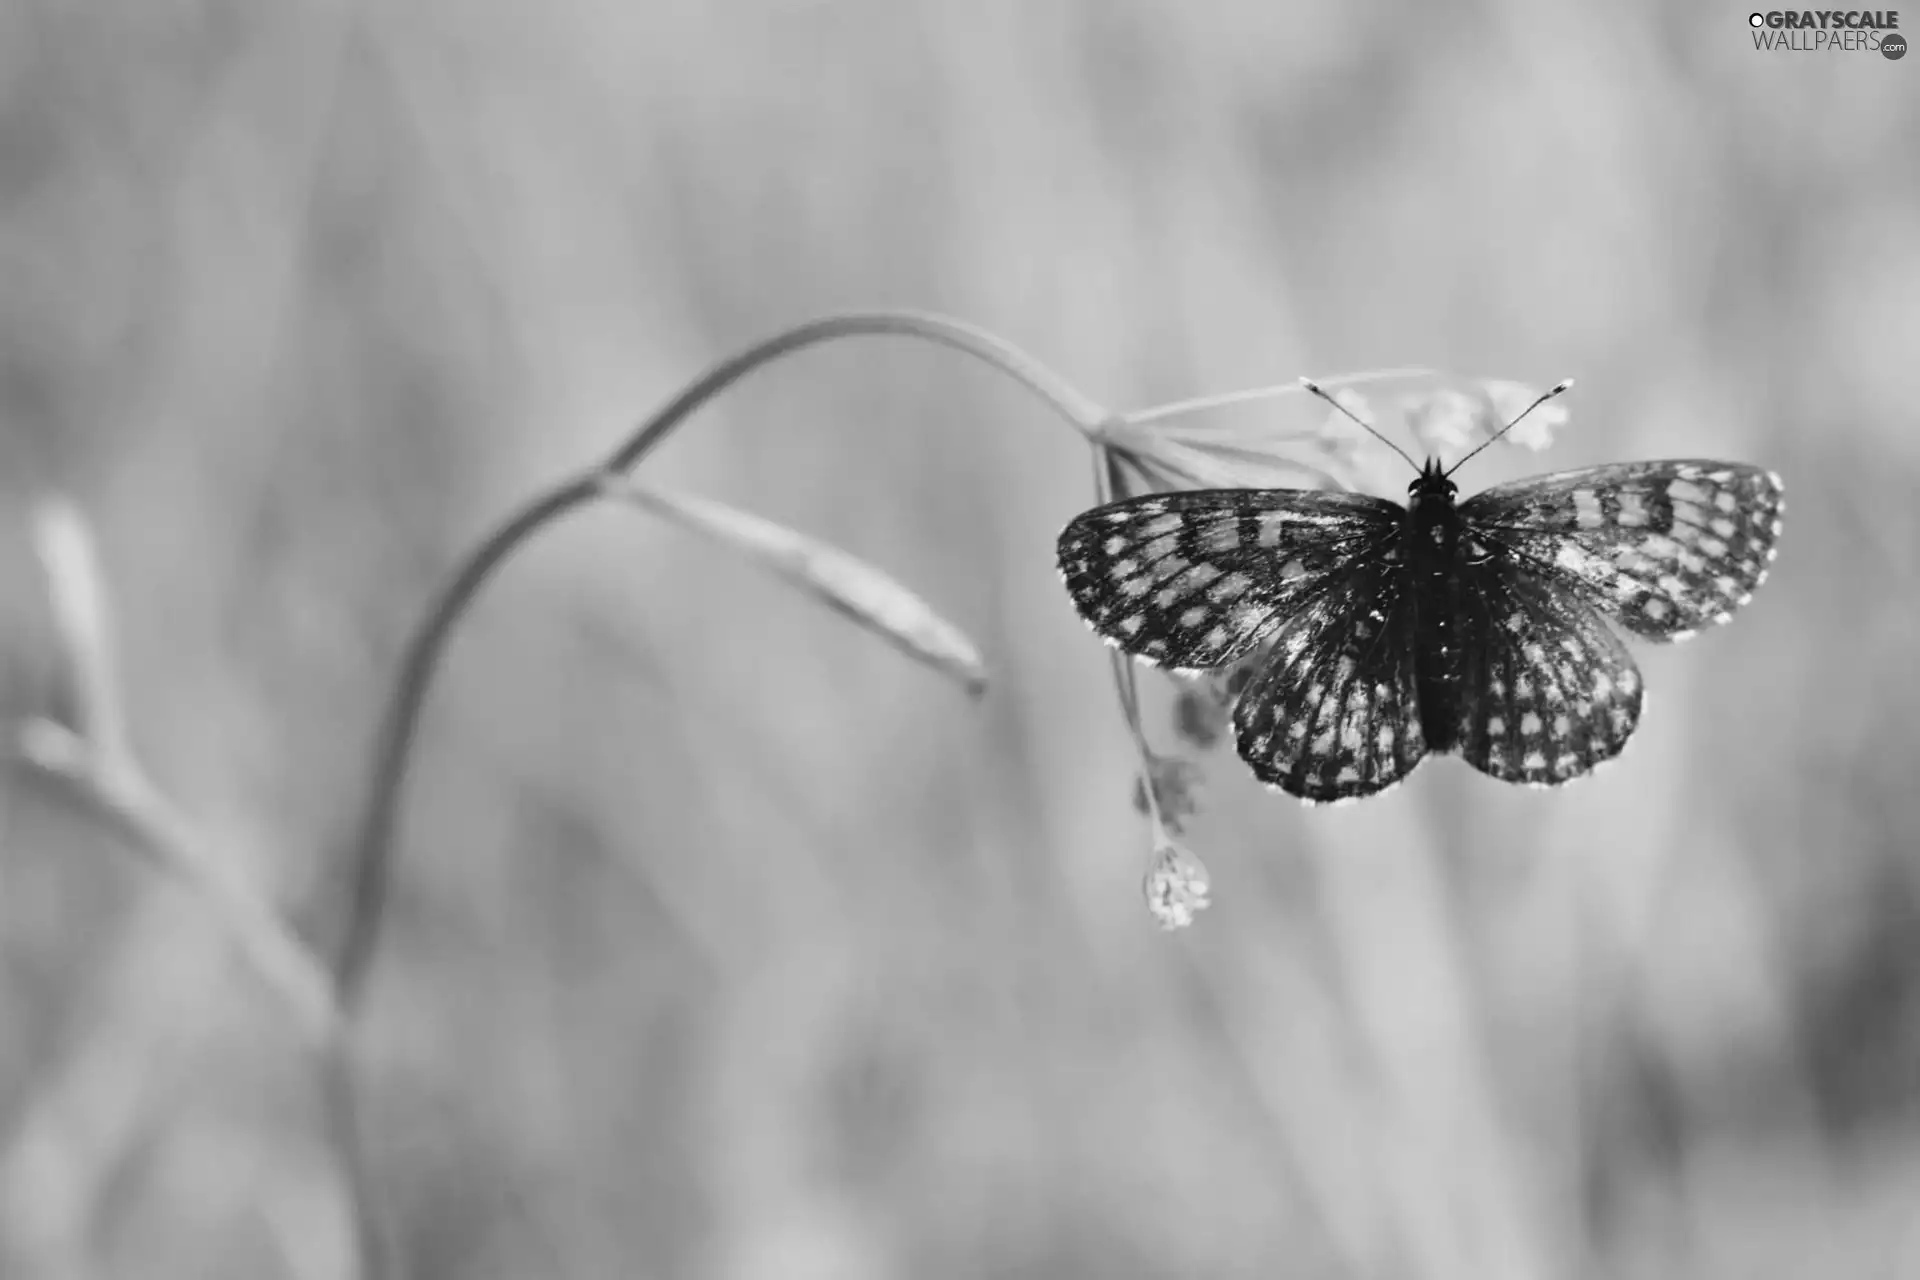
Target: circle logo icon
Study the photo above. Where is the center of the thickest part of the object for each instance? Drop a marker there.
(1756, 19)
(1893, 47)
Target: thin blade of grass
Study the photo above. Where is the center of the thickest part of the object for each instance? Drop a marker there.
(841, 581)
(64, 542)
(119, 792)
(95, 758)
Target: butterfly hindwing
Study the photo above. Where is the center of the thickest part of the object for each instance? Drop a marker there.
(1334, 714)
(1663, 548)
(1548, 690)
(1196, 580)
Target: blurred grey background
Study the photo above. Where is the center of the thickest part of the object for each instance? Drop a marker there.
(726, 942)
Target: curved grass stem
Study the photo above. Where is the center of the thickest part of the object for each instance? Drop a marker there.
(370, 870)
(1228, 399)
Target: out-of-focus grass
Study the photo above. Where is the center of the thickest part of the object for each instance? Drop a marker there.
(730, 944)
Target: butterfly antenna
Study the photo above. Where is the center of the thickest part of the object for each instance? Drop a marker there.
(1321, 391)
(1558, 387)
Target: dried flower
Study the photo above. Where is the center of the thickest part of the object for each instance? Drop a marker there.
(1189, 453)
(1203, 707)
(1170, 448)
(1365, 460)
(1453, 420)
(1201, 714)
(1510, 400)
(1189, 446)
(1450, 421)
(1176, 884)
(1176, 785)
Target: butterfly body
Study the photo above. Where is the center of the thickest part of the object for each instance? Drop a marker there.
(1392, 632)
(1437, 544)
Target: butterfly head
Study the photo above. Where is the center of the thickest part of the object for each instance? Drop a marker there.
(1431, 487)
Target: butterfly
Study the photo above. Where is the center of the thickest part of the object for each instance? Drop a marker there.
(1392, 632)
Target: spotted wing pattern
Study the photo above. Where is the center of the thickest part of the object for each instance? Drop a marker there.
(1663, 548)
(1334, 715)
(1358, 673)
(1548, 690)
(1196, 580)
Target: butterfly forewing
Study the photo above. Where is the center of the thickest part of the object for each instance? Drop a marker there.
(1663, 548)
(1195, 580)
(1549, 691)
(1334, 715)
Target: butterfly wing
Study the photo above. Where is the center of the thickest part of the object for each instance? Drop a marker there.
(1196, 580)
(1663, 548)
(1548, 691)
(1334, 715)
